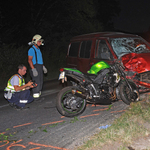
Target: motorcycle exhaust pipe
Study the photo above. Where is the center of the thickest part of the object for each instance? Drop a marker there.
(80, 94)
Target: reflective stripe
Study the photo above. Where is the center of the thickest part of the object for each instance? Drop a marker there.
(8, 89)
(11, 88)
(23, 101)
(36, 95)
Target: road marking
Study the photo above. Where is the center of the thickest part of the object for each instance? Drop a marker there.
(47, 146)
(15, 144)
(22, 125)
(117, 111)
(101, 109)
(93, 105)
(35, 148)
(53, 122)
(5, 143)
(90, 115)
(4, 105)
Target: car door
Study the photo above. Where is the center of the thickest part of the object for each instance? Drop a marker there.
(102, 52)
(84, 55)
(72, 55)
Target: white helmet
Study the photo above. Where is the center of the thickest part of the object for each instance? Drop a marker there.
(36, 38)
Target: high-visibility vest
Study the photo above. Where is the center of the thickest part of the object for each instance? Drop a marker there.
(10, 87)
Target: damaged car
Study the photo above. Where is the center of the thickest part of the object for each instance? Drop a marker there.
(132, 50)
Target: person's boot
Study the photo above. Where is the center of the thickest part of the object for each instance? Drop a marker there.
(21, 108)
(12, 104)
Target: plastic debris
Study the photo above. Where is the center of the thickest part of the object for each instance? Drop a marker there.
(104, 127)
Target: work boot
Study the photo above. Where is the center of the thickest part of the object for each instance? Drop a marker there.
(21, 108)
(12, 104)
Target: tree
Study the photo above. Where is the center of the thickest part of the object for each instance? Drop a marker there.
(21, 20)
(57, 21)
(106, 10)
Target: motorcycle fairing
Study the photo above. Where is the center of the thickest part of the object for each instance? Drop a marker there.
(98, 67)
(73, 70)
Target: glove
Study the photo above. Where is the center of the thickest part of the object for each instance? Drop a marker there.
(44, 69)
(35, 73)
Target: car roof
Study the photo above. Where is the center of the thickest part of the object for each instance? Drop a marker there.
(103, 34)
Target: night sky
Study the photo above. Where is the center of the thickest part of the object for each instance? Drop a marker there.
(134, 16)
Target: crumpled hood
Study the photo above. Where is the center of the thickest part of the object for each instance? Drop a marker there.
(137, 62)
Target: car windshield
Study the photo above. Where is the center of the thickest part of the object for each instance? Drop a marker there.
(122, 46)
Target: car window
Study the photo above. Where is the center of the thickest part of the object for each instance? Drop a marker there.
(73, 49)
(102, 51)
(85, 49)
(126, 45)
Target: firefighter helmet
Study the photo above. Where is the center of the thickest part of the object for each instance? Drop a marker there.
(36, 38)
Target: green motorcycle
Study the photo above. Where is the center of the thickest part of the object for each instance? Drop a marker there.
(103, 84)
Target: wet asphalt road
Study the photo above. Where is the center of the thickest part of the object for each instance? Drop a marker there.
(42, 127)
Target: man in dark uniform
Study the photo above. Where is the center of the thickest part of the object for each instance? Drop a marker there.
(35, 61)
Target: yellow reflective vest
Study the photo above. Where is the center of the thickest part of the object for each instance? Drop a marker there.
(11, 88)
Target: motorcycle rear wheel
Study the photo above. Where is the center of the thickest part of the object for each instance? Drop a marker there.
(68, 104)
(126, 95)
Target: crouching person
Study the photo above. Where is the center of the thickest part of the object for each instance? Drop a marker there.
(17, 92)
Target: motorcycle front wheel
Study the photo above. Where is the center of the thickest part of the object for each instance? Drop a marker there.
(68, 104)
(128, 96)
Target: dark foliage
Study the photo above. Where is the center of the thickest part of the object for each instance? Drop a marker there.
(20, 20)
(57, 21)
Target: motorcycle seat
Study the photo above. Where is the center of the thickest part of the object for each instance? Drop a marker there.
(90, 76)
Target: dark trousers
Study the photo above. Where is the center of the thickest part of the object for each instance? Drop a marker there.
(19, 98)
(38, 79)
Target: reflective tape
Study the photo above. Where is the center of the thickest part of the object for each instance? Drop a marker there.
(23, 101)
(36, 95)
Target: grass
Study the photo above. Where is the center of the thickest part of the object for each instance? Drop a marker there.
(124, 130)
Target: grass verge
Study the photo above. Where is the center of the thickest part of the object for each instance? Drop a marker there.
(131, 125)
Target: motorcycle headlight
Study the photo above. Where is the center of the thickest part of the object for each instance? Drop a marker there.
(117, 77)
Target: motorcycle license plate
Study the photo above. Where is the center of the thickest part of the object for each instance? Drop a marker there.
(61, 76)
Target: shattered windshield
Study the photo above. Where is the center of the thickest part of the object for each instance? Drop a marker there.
(122, 46)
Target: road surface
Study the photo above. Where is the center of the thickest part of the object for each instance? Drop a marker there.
(42, 127)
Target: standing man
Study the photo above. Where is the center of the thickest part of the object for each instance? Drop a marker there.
(35, 61)
(17, 92)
